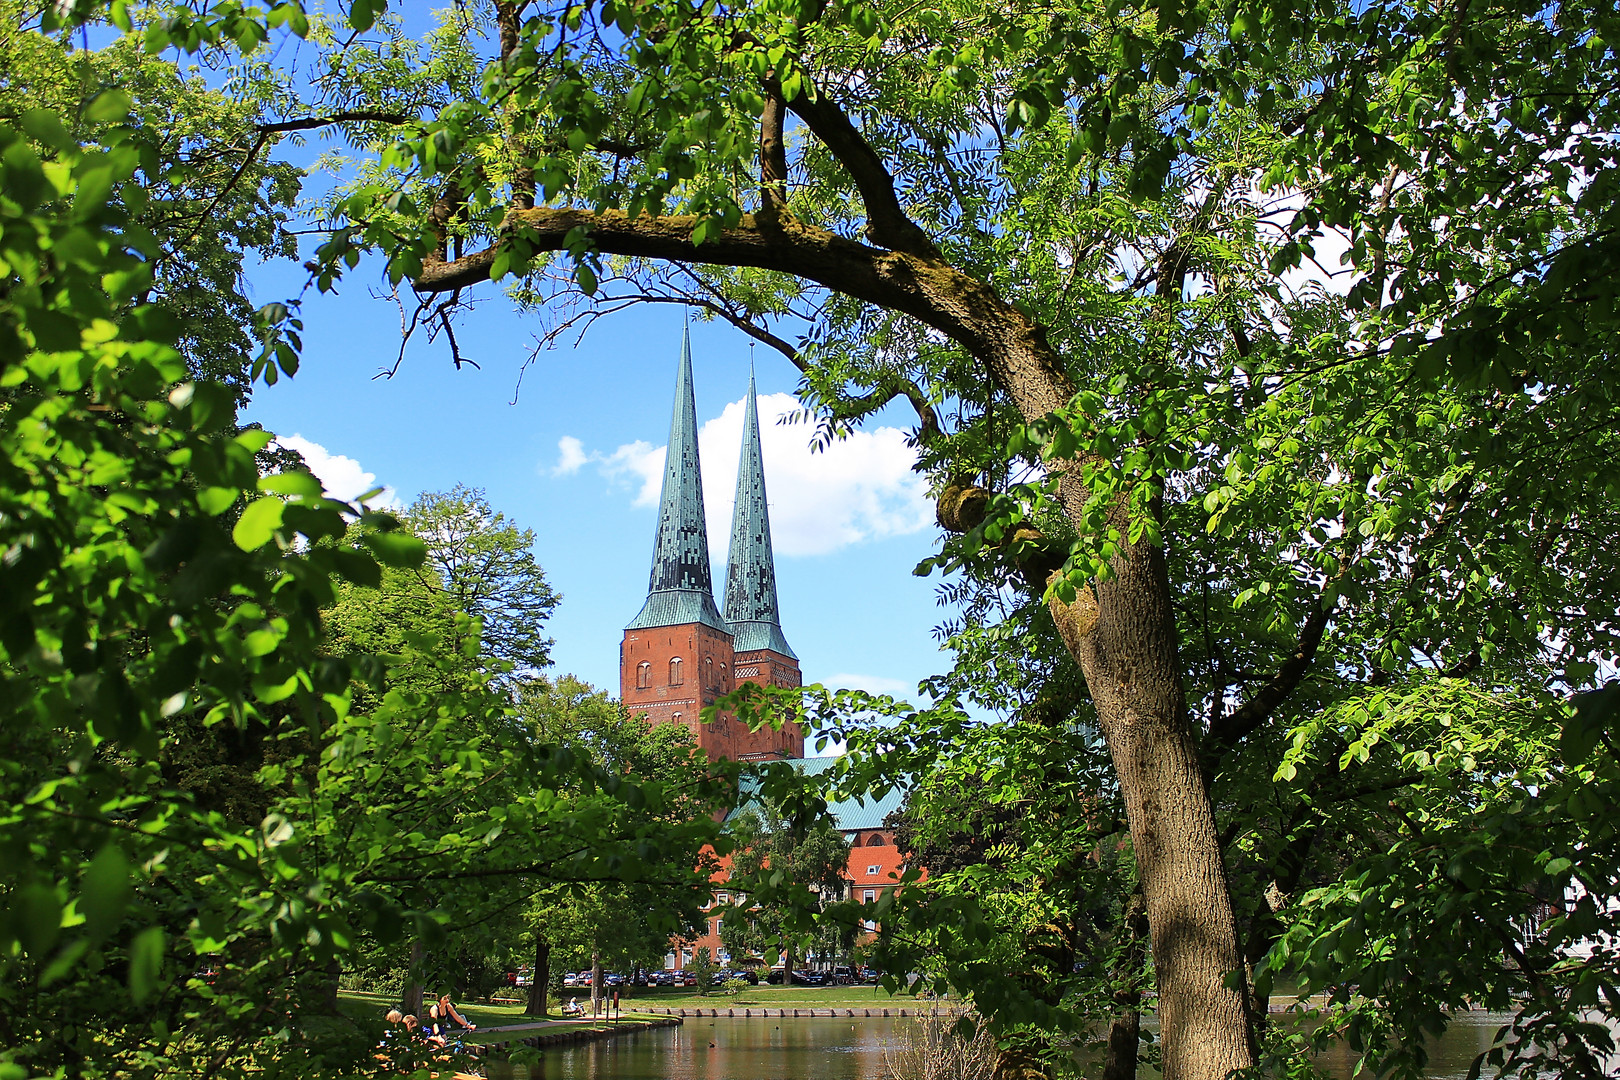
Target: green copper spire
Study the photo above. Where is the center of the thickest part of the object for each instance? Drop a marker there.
(751, 571)
(681, 588)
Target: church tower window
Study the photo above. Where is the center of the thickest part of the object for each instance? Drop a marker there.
(643, 675)
(674, 671)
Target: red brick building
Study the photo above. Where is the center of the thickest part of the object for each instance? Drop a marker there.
(680, 654)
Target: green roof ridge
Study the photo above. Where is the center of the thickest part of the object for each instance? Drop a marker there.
(750, 567)
(681, 587)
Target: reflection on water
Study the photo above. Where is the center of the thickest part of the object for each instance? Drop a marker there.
(766, 1048)
(1450, 1056)
(850, 1049)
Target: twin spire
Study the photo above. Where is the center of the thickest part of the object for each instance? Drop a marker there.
(680, 589)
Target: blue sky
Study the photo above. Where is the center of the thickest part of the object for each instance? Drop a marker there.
(572, 457)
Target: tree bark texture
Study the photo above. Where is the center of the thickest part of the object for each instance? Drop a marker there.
(329, 986)
(1122, 632)
(542, 976)
(411, 1003)
(596, 981)
(1129, 657)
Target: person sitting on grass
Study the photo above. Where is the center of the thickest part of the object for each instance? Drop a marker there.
(452, 1025)
(449, 1017)
(418, 1030)
(391, 1035)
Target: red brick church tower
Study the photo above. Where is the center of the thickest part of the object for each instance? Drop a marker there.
(679, 655)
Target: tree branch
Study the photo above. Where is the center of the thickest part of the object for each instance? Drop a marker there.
(772, 152)
(343, 116)
(961, 508)
(1013, 348)
(886, 222)
(1229, 728)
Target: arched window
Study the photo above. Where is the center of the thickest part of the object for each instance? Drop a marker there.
(708, 670)
(876, 841)
(643, 675)
(675, 671)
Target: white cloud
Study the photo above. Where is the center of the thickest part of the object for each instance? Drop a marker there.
(570, 456)
(856, 489)
(343, 477)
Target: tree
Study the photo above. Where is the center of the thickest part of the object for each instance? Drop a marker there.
(1091, 130)
(159, 586)
(1062, 243)
(1031, 905)
(484, 565)
(785, 870)
(628, 924)
(213, 205)
(702, 968)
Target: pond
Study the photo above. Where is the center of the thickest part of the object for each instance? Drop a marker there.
(841, 1049)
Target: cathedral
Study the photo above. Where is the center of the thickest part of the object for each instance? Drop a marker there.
(681, 653)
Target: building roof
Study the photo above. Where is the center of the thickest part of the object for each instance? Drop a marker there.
(680, 589)
(848, 815)
(751, 569)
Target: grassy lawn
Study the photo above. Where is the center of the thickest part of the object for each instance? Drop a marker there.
(373, 1006)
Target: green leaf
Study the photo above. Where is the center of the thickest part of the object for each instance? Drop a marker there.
(63, 962)
(362, 15)
(214, 501)
(258, 523)
(109, 106)
(104, 890)
(358, 567)
(37, 915)
(1594, 713)
(294, 482)
(145, 963)
(398, 548)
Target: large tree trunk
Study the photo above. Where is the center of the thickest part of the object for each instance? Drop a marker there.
(411, 1002)
(542, 976)
(596, 981)
(1125, 640)
(329, 986)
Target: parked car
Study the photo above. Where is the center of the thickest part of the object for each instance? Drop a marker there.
(809, 978)
(869, 975)
(572, 979)
(613, 978)
(775, 976)
(843, 975)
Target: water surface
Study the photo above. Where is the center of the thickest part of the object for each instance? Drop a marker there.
(831, 1048)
